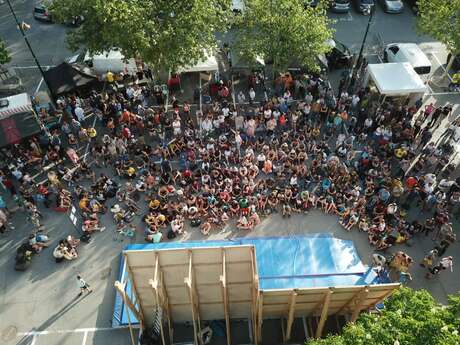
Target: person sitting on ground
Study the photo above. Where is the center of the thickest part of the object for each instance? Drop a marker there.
(91, 225)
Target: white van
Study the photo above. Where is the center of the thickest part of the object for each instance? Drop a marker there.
(113, 61)
(409, 52)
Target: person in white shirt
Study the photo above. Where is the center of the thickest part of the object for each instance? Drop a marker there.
(252, 95)
(176, 127)
(241, 97)
(206, 126)
(80, 114)
(84, 286)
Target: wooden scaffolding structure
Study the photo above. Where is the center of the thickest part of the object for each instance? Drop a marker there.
(221, 283)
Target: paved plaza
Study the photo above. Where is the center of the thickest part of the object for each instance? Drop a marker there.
(40, 306)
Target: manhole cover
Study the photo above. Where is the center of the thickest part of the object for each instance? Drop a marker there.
(105, 273)
(9, 333)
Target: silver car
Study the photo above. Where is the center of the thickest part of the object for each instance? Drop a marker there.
(392, 6)
(41, 12)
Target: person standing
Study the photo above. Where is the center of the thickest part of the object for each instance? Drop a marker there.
(83, 285)
(443, 264)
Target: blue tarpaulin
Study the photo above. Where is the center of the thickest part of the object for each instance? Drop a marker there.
(315, 260)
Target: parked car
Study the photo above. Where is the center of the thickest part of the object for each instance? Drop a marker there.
(10, 83)
(339, 56)
(41, 12)
(340, 6)
(392, 6)
(364, 6)
(409, 52)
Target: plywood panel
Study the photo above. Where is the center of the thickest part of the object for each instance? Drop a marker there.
(240, 253)
(239, 292)
(239, 272)
(175, 276)
(141, 258)
(209, 294)
(207, 274)
(178, 295)
(207, 256)
(173, 257)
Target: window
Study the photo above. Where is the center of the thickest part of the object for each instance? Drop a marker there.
(422, 70)
(394, 49)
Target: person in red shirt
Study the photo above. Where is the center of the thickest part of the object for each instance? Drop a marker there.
(125, 132)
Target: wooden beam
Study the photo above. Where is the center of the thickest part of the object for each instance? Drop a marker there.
(134, 289)
(359, 305)
(168, 309)
(352, 300)
(385, 296)
(322, 320)
(260, 315)
(223, 281)
(188, 283)
(290, 318)
(159, 300)
(120, 288)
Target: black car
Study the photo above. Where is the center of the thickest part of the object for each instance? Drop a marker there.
(364, 6)
(339, 56)
(340, 6)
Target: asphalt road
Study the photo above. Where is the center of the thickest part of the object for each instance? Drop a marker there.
(42, 299)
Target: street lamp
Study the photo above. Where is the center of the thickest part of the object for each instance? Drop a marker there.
(22, 27)
(356, 67)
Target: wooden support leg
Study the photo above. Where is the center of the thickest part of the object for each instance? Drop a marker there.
(322, 320)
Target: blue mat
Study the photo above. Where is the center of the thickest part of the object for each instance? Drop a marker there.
(315, 260)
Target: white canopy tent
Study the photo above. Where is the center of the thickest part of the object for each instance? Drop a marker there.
(208, 64)
(395, 79)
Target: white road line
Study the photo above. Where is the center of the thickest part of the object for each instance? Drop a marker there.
(32, 67)
(85, 336)
(65, 331)
(39, 86)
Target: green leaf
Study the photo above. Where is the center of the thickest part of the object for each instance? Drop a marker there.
(283, 31)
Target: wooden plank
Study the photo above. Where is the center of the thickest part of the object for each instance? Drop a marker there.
(386, 295)
(120, 288)
(223, 281)
(134, 289)
(188, 283)
(290, 319)
(359, 305)
(352, 300)
(260, 315)
(324, 313)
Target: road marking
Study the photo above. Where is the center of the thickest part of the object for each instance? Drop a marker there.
(32, 67)
(66, 331)
(34, 340)
(85, 336)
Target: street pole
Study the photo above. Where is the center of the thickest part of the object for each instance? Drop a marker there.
(357, 65)
(21, 29)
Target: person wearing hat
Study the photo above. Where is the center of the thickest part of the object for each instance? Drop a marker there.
(130, 173)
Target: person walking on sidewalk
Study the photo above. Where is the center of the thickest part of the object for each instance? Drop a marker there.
(83, 285)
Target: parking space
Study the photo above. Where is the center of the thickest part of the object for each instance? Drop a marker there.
(82, 336)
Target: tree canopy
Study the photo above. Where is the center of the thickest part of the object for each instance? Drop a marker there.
(166, 34)
(409, 318)
(441, 19)
(4, 54)
(283, 32)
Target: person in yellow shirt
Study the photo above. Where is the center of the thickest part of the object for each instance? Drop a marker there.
(110, 77)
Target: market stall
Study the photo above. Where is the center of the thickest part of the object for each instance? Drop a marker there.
(396, 80)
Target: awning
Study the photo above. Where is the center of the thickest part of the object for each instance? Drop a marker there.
(208, 64)
(67, 78)
(16, 104)
(396, 79)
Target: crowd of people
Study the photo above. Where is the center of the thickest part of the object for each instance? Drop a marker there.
(373, 165)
